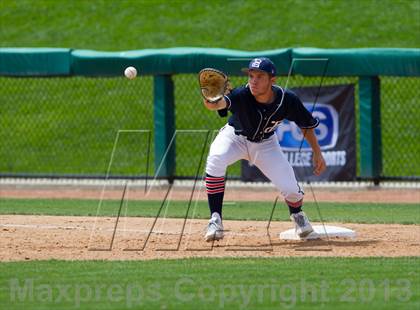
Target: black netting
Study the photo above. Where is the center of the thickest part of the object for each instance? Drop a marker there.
(400, 115)
(68, 126)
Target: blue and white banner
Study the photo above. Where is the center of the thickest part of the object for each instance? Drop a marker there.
(291, 137)
(336, 133)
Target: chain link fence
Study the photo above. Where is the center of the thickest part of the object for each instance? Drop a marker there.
(68, 126)
(400, 115)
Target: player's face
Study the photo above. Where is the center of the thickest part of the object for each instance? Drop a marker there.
(259, 82)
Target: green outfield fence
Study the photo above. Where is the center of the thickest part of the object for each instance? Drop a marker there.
(62, 110)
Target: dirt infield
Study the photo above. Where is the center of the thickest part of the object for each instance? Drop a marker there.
(80, 238)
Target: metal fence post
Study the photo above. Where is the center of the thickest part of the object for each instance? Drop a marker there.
(370, 127)
(164, 125)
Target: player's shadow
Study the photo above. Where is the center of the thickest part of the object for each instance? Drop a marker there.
(265, 247)
(328, 245)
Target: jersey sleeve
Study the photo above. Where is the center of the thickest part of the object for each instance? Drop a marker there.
(222, 112)
(232, 99)
(232, 96)
(297, 112)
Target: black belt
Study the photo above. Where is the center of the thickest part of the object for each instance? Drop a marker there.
(258, 140)
(265, 137)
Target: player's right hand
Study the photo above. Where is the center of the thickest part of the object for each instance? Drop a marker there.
(319, 163)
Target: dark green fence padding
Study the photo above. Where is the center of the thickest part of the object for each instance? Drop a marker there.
(341, 62)
(170, 60)
(358, 62)
(35, 61)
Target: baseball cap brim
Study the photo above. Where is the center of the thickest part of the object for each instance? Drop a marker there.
(246, 70)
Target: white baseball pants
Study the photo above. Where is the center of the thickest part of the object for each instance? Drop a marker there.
(267, 155)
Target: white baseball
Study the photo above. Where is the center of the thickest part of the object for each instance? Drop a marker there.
(130, 72)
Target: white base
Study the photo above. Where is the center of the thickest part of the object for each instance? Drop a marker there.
(320, 232)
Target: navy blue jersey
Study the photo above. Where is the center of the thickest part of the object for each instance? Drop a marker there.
(257, 121)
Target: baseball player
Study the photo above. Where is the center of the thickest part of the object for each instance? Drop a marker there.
(257, 110)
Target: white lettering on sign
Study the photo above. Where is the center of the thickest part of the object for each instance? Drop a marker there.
(304, 159)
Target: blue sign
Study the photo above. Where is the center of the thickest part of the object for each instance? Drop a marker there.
(290, 136)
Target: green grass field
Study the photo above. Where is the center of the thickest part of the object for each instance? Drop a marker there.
(248, 25)
(305, 283)
(68, 125)
(373, 213)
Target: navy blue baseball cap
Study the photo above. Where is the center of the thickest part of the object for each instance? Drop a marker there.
(262, 64)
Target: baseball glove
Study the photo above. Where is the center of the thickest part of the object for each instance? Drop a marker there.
(213, 84)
